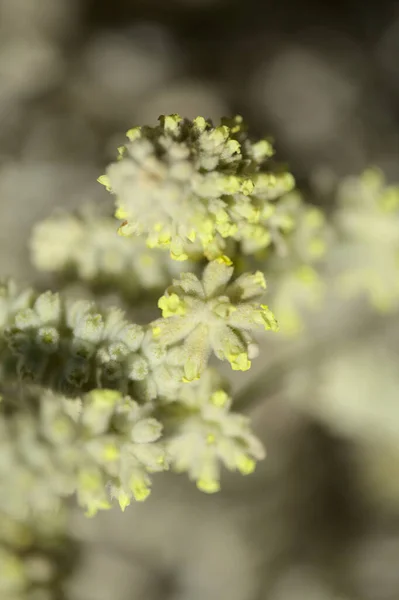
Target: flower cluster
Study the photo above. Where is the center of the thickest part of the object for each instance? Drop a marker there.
(293, 271)
(211, 315)
(202, 434)
(368, 223)
(106, 403)
(105, 445)
(87, 422)
(189, 186)
(70, 347)
(100, 446)
(85, 246)
(36, 557)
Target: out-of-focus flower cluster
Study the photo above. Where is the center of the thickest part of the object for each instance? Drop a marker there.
(294, 270)
(368, 253)
(100, 446)
(84, 246)
(104, 445)
(36, 557)
(189, 186)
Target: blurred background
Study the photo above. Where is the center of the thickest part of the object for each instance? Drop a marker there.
(320, 518)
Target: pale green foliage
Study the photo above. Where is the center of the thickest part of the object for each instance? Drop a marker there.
(368, 224)
(189, 187)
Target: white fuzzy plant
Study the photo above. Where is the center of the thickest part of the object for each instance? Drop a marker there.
(94, 405)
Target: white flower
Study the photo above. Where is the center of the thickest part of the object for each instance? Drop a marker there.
(210, 315)
(185, 183)
(202, 434)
